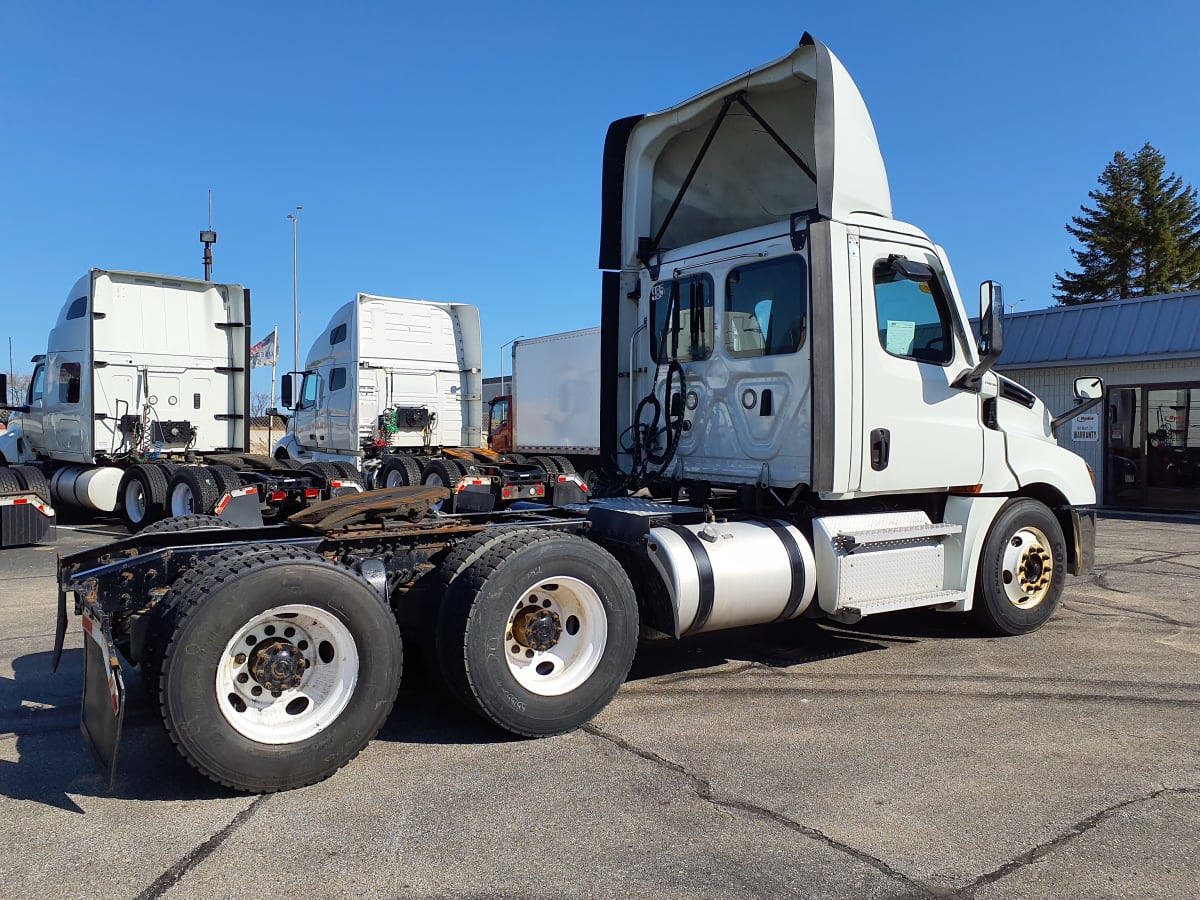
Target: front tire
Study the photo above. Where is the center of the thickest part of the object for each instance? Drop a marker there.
(1022, 569)
(281, 667)
(538, 632)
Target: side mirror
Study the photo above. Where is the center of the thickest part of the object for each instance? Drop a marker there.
(1089, 392)
(1088, 387)
(991, 314)
(991, 335)
(286, 392)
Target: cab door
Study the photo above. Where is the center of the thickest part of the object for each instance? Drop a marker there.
(920, 432)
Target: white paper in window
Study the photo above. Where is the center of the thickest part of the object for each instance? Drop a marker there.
(900, 337)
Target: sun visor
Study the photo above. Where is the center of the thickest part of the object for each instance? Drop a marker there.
(791, 136)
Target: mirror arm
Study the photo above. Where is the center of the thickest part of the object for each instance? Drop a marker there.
(1059, 421)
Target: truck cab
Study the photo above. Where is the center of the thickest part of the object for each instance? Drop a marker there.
(790, 333)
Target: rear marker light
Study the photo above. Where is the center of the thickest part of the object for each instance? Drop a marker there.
(277, 496)
(309, 493)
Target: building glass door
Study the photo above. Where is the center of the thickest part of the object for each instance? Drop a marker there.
(1154, 447)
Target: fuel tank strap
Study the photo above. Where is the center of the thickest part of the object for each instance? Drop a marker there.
(796, 561)
(704, 570)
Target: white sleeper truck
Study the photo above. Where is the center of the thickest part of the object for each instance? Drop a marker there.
(798, 361)
(394, 387)
(140, 405)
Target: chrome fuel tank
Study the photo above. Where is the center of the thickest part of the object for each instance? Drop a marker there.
(728, 574)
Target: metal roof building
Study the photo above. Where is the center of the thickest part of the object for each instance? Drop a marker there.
(1144, 442)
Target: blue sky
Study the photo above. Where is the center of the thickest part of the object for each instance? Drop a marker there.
(452, 151)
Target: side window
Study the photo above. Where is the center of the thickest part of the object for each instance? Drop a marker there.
(37, 384)
(682, 313)
(337, 379)
(68, 383)
(499, 415)
(78, 308)
(338, 334)
(766, 308)
(308, 393)
(912, 317)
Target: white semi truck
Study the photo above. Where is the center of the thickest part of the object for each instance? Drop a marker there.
(394, 387)
(774, 340)
(140, 405)
(552, 416)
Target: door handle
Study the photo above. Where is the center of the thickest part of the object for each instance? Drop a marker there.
(881, 448)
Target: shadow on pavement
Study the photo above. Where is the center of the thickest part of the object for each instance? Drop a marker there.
(41, 708)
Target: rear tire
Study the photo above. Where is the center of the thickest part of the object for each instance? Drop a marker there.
(1022, 569)
(565, 466)
(9, 483)
(348, 472)
(398, 471)
(546, 463)
(141, 495)
(226, 478)
(567, 608)
(186, 523)
(291, 616)
(32, 479)
(192, 490)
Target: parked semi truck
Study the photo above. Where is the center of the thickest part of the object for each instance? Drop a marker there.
(772, 337)
(394, 387)
(140, 406)
(552, 416)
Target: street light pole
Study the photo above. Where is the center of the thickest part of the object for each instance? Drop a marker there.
(295, 217)
(502, 346)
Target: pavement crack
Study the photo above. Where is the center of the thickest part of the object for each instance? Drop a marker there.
(1079, 828)
(704, 790)
(171, 877)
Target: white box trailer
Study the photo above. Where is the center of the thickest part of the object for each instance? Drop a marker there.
(554, 407)
(142, 374)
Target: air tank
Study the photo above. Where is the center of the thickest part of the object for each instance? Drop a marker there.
(727, 574)
(89, 487)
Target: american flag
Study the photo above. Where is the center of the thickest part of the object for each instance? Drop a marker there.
(264, 352)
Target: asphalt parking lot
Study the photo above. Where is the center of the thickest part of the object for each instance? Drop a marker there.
(905, 757)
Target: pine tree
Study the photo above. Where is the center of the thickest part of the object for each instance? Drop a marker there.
(1142, 237)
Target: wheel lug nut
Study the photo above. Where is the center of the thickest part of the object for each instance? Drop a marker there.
(256, 690)
(276, 693)
(529, 654)
(240, 659)
(243, 678)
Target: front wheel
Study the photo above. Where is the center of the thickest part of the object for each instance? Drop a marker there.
(1022, 569)
(538, 632)
(280, 668)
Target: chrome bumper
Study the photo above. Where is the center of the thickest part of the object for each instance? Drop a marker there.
(1083, 525)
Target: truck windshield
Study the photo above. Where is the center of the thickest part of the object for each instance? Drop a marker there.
(682, 313)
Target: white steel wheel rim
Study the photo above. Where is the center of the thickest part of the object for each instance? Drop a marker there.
(1027, 568)
(135, 501)
(553, 661)
(183, 501)
(393, 478)
(326, 681)
(433, 479)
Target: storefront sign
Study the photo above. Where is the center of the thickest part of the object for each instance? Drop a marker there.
(1086, 427)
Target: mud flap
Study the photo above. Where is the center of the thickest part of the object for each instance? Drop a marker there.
(241, 507)
(103, 693)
